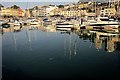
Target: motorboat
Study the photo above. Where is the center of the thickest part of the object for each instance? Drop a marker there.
(5, 25)
(16, 23)
(1, 21)
(104, 21)
(64, 25)
(34, 22)
(16, 28)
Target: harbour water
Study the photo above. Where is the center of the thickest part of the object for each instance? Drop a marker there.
(42, 55)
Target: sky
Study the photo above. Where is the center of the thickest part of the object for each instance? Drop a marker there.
(25, 5)
(46, 0)
(38, 0)
(31, 3)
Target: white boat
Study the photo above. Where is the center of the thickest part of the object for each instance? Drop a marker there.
(29, 20)
(16, 23)
(33, 27)
(1, 21)
(17, 28)
(104, 21)
(64, 25)
(34, 22)
(11, 23)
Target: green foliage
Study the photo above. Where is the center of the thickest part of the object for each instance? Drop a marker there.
(15, 7)
(1, 5)
(60, 6)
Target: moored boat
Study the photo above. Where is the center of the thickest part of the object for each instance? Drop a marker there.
(1, 21)
(16, 23)
(64, 25)
(34, 22)
(104, 21)
(5, 25)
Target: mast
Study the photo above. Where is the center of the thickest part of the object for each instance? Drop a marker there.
(65, 47)
(95, 8)
(93, 4)
(15, 42)
(70, 46)
(75, 45)
(109, 4)
(26, 10)
(118, 3)
(29, 38)
(27, 14)
(114, 2)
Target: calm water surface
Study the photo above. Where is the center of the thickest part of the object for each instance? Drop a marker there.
(38, 55)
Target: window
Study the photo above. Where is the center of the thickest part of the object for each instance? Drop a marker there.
(106, 13)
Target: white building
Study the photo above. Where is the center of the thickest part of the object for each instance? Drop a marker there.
(108, 12)
(42, 11)
(49, 9)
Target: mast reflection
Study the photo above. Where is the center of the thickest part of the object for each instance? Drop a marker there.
(111, 39)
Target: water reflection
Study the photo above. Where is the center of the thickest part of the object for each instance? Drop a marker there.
(70, 43)
(110, 40)
(47, 53)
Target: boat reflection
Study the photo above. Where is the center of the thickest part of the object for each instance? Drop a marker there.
(110, 39)
(33, 27)
(70, 44)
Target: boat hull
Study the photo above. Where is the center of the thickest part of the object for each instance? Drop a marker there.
(17, 24)
(64, 26)
(34, 23)
(5, 25)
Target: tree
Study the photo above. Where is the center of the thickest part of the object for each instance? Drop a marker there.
(1, 5)
(51, 5)
(15, 7)
(60, 6)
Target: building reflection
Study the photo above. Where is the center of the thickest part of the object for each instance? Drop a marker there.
(98, 42)
(111, 40)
